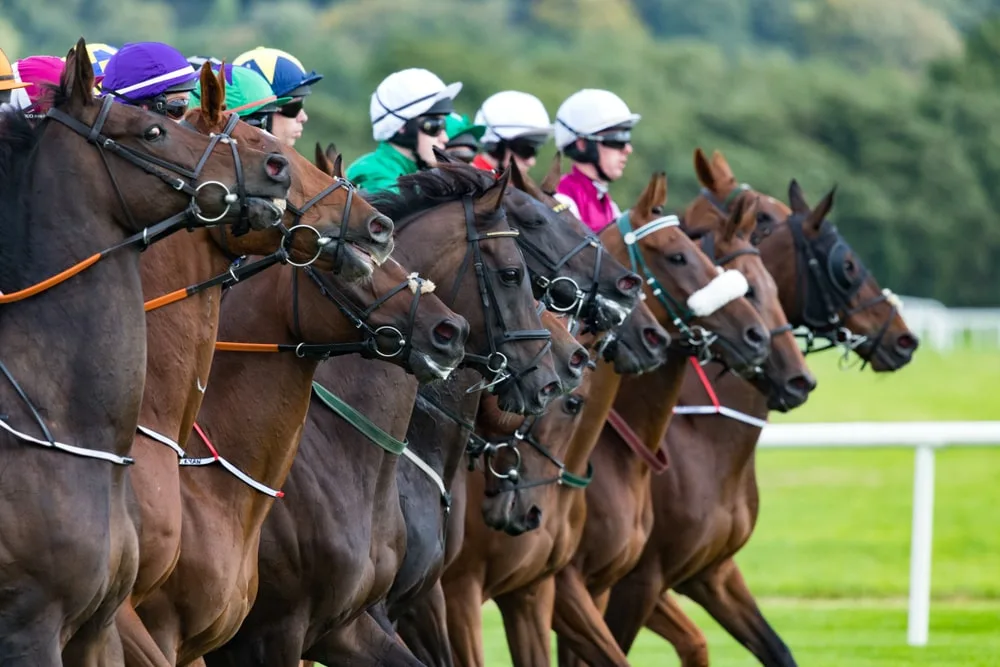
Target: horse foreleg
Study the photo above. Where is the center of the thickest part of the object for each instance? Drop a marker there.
(670, 622)
(423, 628)
(138, 646)
(464, 600)
(723, 593)
(580, 625)
(362, 643)
(527, 620)
(632, 600)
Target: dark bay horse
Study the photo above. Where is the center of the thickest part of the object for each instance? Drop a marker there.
(706, 505)
(181, 336)
(619, 511)
(74, 348)
(349, 544)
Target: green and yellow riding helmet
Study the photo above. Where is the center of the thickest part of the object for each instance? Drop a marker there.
(249, 95)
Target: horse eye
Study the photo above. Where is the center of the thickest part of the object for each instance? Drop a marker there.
(572, 404)
(762, 218)
(511, 276)
(657, 210)
(849, 265)
(751, 293)
(678, 260)
(153, 133)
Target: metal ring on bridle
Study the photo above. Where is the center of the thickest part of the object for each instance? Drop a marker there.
(579, 295)
(503, 362)
(319, 244)
(229, 204)
(401, 341)
(494, 449)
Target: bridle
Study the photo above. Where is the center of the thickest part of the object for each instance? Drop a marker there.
(586, 305)
(494, 363)
(825, 290)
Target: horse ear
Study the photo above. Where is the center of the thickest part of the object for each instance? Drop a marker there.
(338, 167)
(77, 78)
(704, 170)
(721, 168)
(213, 93)
(492, 199)
(322, 161)
(655, 194)
(551, 180)
(742, 219)
(796, 199)
(516, 177)
(733, 220)
(818, 214)
(332, 152)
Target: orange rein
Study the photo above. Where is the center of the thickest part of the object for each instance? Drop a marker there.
(50, 282)
(222, 346)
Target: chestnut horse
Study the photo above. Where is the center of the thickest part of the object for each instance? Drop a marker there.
(74, 383)
(181, 337)
(716, 320)
(706, 505)
(348, 545)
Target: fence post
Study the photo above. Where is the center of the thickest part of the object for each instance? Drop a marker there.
(920, 546)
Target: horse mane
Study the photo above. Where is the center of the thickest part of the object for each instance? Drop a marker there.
(18, 140)
(428, 189)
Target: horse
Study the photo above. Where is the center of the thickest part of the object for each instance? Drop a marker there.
(706, 506)
(451, 222)
(181, 337)
(638, 409)
(144, 181)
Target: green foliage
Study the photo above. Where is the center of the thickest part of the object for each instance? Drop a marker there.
(826, 91)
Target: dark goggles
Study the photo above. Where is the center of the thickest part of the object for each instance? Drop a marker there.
(261, 120)
(175, 109)
(292, 109)
(523, 148)
(431, 125)
(616, 140)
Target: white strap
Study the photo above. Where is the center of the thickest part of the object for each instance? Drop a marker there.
(429, 471)
(239, 474)
(160, 438)
(156, 79)
(651, 227)
(721, 410)
(69, 449)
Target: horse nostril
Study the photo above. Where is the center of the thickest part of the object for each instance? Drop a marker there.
(277, 167)
(907, 343)
(578, 360)
(801, 384)
(534, 518)
(654, 339)
(549, 390)
(755, 336)
(380, 227)
(629, 284)
(445, 333)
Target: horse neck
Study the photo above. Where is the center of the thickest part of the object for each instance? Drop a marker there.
(256, 403)
(733, 442)
(80, 345)
(181, 336)
(603, 389)
(647, 401)
(431, 431)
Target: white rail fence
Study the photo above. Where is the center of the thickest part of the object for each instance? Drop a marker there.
(925, 437)
(944, 329)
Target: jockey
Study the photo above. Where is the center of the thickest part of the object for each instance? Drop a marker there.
(463, 137)
(36, 71)
(249, 95)
(593, 129)
(100, 54)
(7, 81)
(408, 111)
(151, 75)
(517, 125)
(288, 78)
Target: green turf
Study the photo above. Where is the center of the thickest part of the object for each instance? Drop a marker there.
(821, 634)
(960, 385)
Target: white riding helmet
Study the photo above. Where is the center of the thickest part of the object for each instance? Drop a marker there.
(587, 112)
(406, 94)
(511, 114)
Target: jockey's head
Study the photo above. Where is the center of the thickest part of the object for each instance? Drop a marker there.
(409, 108)
(517, 125)
(151, 75)
(288, 79)
(594, 129)
(463, 137)
(7, 81)
(249, 95)
(39, 72)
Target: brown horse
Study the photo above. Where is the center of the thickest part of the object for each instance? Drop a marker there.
(619, 512)
(213, 584)
(706, 505)
(182, 336)
(74, 384)
(314, 605)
